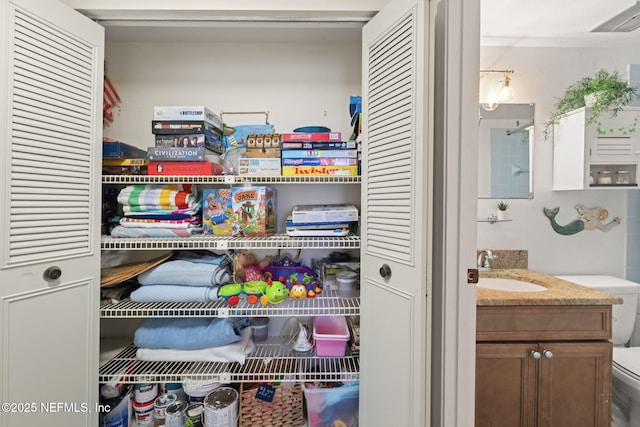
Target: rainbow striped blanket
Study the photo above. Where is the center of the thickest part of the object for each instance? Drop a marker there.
(144, 197)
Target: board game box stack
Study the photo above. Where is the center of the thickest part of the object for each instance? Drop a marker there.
(333, 220)
(119, 158)
(262, 155)
(318, 154)
(188, 141)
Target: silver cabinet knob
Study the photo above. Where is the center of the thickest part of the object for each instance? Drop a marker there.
(548, 354)
(535, 354)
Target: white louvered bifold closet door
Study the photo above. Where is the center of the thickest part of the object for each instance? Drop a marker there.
(390, 148)
(50, 149)
(52, 143)
(395, 217)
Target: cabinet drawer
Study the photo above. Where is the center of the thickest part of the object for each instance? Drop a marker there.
(567, 323)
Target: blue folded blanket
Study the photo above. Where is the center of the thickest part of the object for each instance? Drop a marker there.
(174, 293)
(186, 333)
(186, 273)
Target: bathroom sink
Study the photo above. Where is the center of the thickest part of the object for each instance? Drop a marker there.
(510, 285)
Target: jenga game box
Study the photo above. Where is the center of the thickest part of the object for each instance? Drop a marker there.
(239, 212)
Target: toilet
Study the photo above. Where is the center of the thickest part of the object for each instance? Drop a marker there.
(626, 360)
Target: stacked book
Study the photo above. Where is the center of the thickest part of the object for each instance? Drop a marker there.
(318, 154)
(333, 220)
(188, 141)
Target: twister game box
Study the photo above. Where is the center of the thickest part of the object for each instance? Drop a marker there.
(239, 212)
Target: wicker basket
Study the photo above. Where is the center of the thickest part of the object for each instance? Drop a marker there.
(286, 409)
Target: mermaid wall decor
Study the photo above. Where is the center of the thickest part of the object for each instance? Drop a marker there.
(588, 219)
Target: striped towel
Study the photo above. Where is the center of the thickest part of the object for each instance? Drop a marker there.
(160, 223)
(143, 197)
(130, 232)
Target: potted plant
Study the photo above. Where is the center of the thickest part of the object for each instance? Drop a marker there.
(502, 210)
(606, 90)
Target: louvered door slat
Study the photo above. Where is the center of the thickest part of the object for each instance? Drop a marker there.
(73, 54)
(53, 114)
(40, 98)
(390, 129)
(54, 76)
(38, 93)
(45, 151)
(63, 143)
(51, 159)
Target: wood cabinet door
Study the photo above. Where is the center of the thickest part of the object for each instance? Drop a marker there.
(506, 378)
(575, 384)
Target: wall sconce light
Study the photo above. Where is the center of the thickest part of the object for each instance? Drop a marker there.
(504, 94)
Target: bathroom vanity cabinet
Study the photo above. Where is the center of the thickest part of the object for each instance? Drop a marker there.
(582, 151)
(543, 358)
(543, 366)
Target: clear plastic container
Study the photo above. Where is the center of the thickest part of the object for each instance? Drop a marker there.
(622, 177)
(604, 177)
(347, 284)
(260, 328)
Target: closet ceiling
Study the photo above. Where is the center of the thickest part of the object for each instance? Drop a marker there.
(553, 23)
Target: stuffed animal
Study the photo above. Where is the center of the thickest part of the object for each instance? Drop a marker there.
(248, 269)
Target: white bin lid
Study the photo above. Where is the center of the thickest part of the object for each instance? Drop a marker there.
(604, 283)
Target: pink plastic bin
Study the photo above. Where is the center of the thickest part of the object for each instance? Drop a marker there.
(331, 335)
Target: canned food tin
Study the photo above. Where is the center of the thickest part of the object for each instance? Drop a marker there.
(193, 416)
(160, 407)
(175, 414)
(221, 408)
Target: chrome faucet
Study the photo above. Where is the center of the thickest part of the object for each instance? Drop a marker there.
(485, 256)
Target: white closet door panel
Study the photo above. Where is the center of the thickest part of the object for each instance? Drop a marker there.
(395, 218)
(47, 55)
(50, 146)
(55, 351)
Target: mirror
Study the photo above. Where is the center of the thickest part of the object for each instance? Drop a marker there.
(505, 153)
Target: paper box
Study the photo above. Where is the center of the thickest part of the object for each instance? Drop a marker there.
(208, 140)
(176, 154)
(184, 168)
(120, 150)
(191, 112)
(239, 212)
(320, 171)
(259, 166)
(263, 146)
(324, 213)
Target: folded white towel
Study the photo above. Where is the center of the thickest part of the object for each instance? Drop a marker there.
(235, 352)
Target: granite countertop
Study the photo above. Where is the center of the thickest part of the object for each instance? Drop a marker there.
(560, 292)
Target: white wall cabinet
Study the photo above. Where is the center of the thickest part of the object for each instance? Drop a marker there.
(581, 152)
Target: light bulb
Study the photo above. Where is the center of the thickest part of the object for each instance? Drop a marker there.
(506, 93)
